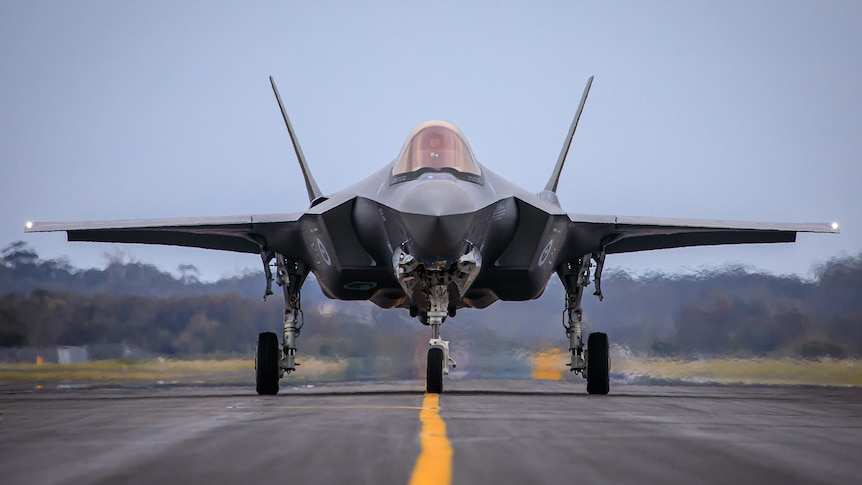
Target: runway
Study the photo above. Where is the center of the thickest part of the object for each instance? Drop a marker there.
(496, 431)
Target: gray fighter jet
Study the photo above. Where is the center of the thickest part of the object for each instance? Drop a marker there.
(432, 232)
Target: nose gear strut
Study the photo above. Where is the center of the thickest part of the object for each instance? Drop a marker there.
(439, 348)
(434, 293)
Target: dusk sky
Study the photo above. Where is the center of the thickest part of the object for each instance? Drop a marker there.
(727, 110)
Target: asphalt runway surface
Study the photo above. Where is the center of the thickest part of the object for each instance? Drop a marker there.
(479, 432)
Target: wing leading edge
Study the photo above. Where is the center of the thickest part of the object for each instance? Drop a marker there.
(615, 235)
(244, 234)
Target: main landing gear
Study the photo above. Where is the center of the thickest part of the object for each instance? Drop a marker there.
(594, 362)
(272, 362)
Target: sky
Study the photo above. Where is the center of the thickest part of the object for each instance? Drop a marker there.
(728, 110)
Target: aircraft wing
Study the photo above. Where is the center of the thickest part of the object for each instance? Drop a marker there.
(621, 234)
(244, 234)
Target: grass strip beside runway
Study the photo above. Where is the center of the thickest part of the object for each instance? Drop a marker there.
(545, 365)
(747, 371)
(550, 365)
(157, 371)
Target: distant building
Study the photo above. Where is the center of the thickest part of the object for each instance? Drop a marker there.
(72, 355)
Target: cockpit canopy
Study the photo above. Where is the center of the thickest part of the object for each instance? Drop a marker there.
(436, 145)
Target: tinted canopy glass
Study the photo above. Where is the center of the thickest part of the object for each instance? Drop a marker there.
(436, 145)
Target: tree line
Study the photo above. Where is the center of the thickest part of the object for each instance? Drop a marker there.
(728, 311)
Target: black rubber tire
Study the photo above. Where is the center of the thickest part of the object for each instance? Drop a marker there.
(266, 363)
(434, 371)
(598, 364)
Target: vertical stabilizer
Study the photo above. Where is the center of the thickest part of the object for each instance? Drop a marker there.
(555, 176)
(314, 192)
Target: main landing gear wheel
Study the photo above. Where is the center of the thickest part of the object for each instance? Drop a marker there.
(434, 371)
(598, 364)
(266, 364)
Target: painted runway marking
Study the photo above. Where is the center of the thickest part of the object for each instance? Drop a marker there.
(358, 406)
(434, 464)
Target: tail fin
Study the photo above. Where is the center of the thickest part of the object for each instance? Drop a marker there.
(314, 192)
(555, 176)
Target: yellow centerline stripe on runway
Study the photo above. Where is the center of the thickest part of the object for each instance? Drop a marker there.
(356, 406)
(434, 464)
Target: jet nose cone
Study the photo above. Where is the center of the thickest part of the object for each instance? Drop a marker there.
(438, 215)
(438, 198)
(435, 237)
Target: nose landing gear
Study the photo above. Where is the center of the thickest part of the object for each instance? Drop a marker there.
(438, 353)
(437, 288)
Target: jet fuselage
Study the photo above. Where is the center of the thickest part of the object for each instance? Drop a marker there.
(436, 217)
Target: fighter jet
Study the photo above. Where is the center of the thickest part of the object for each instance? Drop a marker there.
(432, 232)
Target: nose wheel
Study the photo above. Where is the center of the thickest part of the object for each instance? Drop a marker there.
(434, 371)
